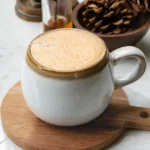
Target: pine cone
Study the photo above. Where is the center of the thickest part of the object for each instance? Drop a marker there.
(139, 6)
(106, 16)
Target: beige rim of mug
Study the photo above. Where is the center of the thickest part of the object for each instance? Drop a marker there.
(85, 72)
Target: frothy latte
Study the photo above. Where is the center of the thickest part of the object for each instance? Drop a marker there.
(67, 50)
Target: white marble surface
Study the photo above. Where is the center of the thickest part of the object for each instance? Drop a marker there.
(16, 34)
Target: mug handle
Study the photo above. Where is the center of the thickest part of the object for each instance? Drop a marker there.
(136, 73)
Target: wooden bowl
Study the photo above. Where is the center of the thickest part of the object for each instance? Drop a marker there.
(132, 37)
(74, 3)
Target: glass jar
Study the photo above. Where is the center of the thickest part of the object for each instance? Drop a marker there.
(56, 14)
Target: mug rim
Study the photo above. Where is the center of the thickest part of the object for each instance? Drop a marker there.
(97, 66)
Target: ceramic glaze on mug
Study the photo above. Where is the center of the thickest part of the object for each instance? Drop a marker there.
(68, 78)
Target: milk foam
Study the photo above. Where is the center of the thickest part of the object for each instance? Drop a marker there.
(67, 49)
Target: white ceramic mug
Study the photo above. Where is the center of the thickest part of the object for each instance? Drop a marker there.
(69, 99)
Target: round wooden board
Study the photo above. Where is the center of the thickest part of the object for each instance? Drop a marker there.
(30, 133)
